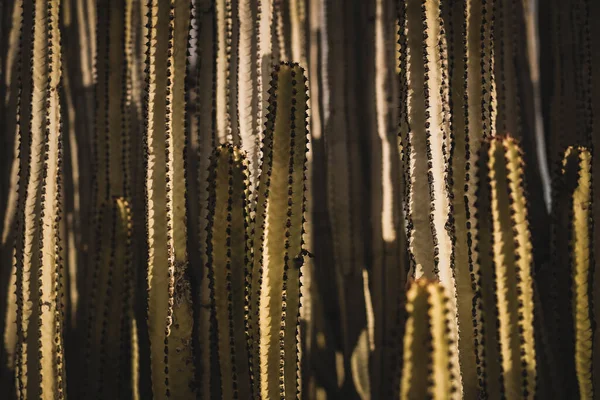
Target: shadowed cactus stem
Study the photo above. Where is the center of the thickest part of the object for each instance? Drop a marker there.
(229, 263)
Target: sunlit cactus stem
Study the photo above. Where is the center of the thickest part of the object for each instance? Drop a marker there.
(40, 363)
(569, 299)
(170, 317)
(278, 242)
(502, 206)
(428, 344)
(228, 261)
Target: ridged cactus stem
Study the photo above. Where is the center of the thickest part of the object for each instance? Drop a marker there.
(115, 302)
(169, 296)
(249, 75)
(429, 148)
(570, 300)
(228, 261)
(227, 24)
(511, 258)
(40, 314)
(279, 232)
(428, 370)
(581, 258)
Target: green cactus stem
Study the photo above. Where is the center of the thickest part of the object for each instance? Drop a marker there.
(428, 344)
(569, 302)
(580, 264)
(501, 199)
(278, 246)
(170, 318)
(229, 262)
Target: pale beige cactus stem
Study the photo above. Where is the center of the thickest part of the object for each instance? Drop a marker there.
(430, 141)
(456, 23)
(11, 226)
(249, 100)
(169, 296)
(40, 357)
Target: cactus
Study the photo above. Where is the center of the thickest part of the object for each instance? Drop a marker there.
(278, 243)
(39, 364)
(169, 292)
(107, 351)
(159, 197)
(570, 328)
(501, 200)
(428, 344)
(229, 263)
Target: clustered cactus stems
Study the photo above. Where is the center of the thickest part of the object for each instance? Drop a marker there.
(163, 181)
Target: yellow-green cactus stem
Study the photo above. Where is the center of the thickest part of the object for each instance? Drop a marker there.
(569, 301)
(580, 256)
(170, 317)
(279, 226)
(428, 370)
(228, 261)
(503, 200)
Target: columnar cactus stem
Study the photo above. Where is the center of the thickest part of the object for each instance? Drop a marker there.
(580, 263)
(40, 358)
(249, 72)
(501, 162)
(429, 142)
(227, 24)
(203, 136)
(169, 297)
(569, 304)
(228, 261)
(428, 344)
(278, 233)
(115, 300)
